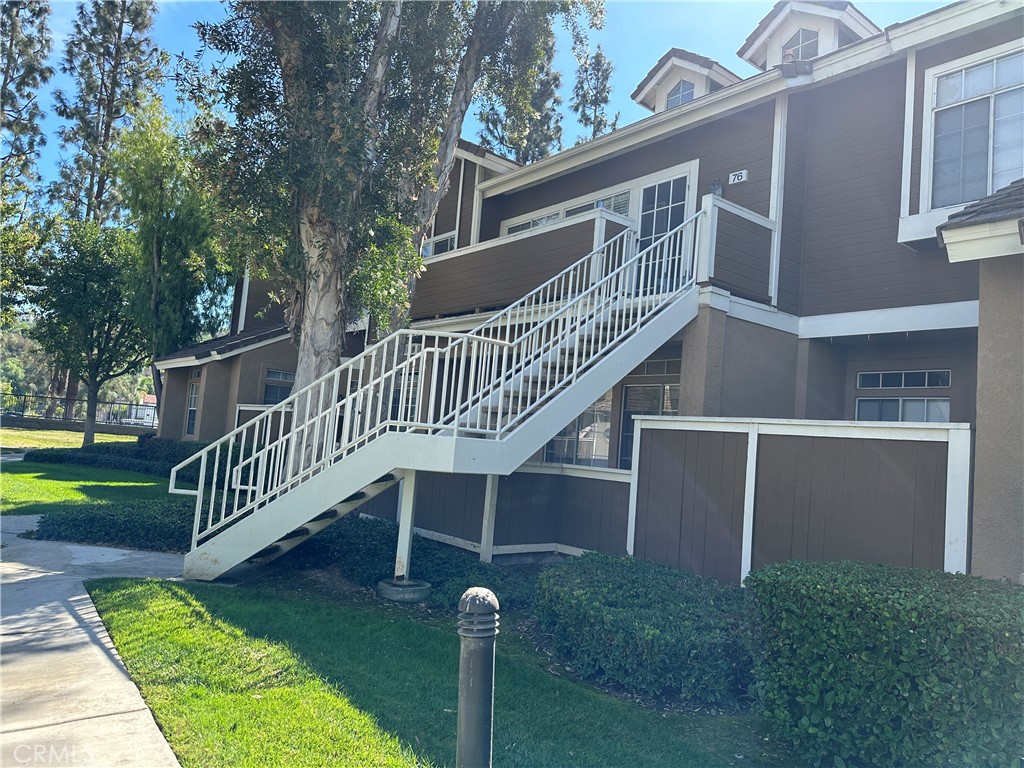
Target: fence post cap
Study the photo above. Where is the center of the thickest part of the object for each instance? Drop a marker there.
(478, 600)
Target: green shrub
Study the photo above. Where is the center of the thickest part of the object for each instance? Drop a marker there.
(100, 459)
(875, 665)
(654, 630)
(364, 551)
(163, 525)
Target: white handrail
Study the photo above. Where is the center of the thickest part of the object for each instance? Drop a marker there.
(485, 382)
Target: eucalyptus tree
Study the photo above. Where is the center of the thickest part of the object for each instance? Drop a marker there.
(342, 134)
(85, 319)
(182, 271)
(534, 130)
(591, 95)
(112, 63)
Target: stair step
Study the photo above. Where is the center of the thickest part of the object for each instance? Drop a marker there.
(357, 496)
(273, 549)
(296, 534)
(330, 514)
(388, 478)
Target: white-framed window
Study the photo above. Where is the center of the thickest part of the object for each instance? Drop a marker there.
(803, 45)
(623, 199)
(438, 245)
(937, 379)
(192, 401)
(584, 441)
(920, 409)
(278, 386)
(973, 127)
(681, 93)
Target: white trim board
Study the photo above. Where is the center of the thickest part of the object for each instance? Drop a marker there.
(577, 470)
(983, 241)
(192, 362)
(927, 317)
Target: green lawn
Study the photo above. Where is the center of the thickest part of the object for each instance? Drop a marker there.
(18, 439)
(30, 489)
(257, 677)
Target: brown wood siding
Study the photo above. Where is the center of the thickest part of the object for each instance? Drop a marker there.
(594, 514)
(447, 209)
(743, 140)
(948, 50)
(260, 309)
(466, 204)
(879, 501)
(743, 253)
(529, 505)
(689, 509)
(383, 505)
(793, 202)
(450, 504)
(851, 258)
(495, 277)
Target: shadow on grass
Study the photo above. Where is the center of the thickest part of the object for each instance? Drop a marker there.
(405, 674)
(33, 489)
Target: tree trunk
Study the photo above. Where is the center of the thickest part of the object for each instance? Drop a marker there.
(71, 398)
(92, 397)
(56, 390)
(158, 386)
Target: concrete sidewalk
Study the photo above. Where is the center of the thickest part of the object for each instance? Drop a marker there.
(66, 698)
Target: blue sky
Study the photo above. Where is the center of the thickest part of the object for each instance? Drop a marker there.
(634, 37)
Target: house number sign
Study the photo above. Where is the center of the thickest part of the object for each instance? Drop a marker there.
(737, 177)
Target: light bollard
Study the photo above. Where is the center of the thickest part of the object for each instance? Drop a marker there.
(478, 626)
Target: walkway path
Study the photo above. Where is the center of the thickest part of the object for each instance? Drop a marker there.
(66, 698)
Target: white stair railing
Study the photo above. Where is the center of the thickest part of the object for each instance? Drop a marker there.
(483, 383)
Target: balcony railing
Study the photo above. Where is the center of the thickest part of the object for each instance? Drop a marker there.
(62, 409)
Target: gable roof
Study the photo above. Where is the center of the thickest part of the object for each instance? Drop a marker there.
(678, 53)
(763, 24)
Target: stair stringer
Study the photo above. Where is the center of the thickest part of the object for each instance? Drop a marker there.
(502, 457)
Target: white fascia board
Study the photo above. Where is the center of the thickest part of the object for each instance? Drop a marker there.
(953, 19)
(931, 432)
(927, 317)
(734, 98)
(494, 162)
(983, 241)
(191, 362)
(921, 226)
(716, 71)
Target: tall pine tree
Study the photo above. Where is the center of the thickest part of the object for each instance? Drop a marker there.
(527, 131)
(591, 95)
(112, 63)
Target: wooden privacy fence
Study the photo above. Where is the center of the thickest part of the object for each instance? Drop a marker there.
(721, 496)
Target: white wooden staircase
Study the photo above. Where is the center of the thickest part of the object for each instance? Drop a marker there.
(479, 402)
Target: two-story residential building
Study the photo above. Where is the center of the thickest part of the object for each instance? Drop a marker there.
(604, 342)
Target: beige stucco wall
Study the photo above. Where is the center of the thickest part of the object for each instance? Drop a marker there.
(252, 368)
(734, 368)
(172, 407)
(997, 549)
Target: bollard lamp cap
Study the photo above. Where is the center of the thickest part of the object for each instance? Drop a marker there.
(478, 600)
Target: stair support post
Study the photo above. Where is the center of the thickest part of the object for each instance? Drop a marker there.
(490, 511)
(405, 518)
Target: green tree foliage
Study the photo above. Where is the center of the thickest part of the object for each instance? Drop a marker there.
(26, 45)
(85, 318)
(23, 366)
(181, 275)
(591, 95)
(112, 63)
(344, 123)
(21, 236)
(526, 131)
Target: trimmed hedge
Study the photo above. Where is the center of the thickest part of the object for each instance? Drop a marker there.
(163, 525)
(651, 629)
(363, 550)
(876, 665)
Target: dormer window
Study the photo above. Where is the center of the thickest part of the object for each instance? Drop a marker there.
(803, 45)
(681, 93)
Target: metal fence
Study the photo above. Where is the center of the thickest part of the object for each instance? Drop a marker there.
(60, 409)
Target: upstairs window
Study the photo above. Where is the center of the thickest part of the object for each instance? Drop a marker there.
(278, 386)
(803, 45)
(438, 245)
(681, 93)
(978, 122)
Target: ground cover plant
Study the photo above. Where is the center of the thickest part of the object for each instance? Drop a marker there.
(261, 676)
(161, 525)
(17, 439)
(28, 488)
(651, 629)
(363, 549)
(873, 665)
(148, 454)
